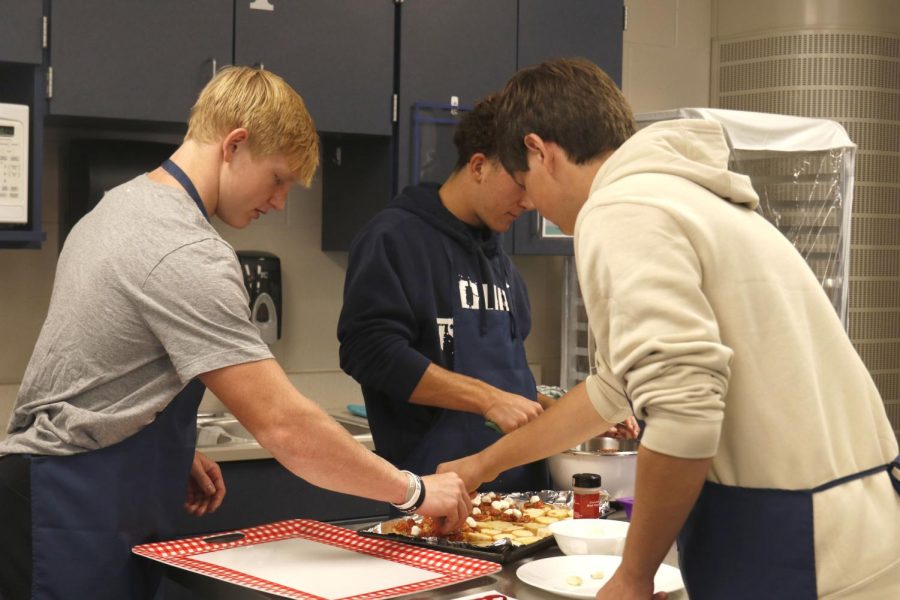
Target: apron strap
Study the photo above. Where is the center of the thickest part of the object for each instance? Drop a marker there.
(181, 177)
(848, 478)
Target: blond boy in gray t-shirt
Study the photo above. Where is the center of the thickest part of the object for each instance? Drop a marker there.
(148, 306)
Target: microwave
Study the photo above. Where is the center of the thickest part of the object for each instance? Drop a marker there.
(13, 163)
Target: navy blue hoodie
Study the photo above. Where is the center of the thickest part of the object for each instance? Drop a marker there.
(402, 279)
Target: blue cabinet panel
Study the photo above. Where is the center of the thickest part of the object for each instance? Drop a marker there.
(137, 60)
(21, 31)
(339, 54)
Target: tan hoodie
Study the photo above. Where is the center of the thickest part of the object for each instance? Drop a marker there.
(709, 321)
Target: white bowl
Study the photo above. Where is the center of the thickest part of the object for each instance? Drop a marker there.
(615, 467)
(590, 536)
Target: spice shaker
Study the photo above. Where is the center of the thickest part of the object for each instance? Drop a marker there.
(586, 503)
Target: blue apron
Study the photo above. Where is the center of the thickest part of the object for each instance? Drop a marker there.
(89, 509)
(491, 351)
(754, 543)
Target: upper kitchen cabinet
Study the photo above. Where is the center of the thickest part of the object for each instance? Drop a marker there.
(463, 48)
(591, 29)
(132, 59)
(21, 31)
(338, 54)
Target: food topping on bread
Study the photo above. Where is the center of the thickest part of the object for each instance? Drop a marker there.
(493, 519)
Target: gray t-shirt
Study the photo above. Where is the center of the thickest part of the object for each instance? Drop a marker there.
(147, 296)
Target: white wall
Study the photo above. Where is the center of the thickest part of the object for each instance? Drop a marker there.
(666, 65)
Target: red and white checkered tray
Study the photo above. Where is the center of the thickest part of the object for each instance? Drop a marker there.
(309, 560)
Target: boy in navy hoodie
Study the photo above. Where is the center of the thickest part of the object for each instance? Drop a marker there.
(435, 316)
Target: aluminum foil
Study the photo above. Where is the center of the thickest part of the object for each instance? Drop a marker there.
(557, 497)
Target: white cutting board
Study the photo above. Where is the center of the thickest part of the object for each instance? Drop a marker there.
(317, 568)
(304, 559)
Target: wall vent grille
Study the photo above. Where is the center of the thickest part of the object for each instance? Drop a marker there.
(874, 136)
(810, 72)
(876, 199)
(876, 293)
(825, 104)
(875, 230)
(811, 42)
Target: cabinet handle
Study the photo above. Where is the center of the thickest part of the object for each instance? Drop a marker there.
(260, 65)
(215, 66)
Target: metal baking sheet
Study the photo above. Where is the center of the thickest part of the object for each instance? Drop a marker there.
(501, 552)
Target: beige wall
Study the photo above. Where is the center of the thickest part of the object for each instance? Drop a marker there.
(667, 54)
(312, 279)
(312, 286)
(666, 65)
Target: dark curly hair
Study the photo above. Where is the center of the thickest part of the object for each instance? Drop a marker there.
(477, 132)
(568, 101)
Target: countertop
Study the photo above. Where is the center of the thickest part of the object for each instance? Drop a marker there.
(505, 581)
(253, 451)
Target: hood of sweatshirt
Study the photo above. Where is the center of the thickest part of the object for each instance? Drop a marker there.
(424, 201)
(693, 149)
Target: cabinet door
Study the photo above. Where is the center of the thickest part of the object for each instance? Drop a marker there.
(338, 54)
(132, 59)
(463, 48)
(591, 29)
(21, 31)
(556, 28)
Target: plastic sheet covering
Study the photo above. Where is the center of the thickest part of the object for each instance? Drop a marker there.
(805, 196)
(802, 170)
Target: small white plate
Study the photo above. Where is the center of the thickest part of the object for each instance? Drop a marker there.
(550, 574)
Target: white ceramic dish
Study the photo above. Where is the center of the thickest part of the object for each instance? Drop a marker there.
(590, 536)
(551, 574)
(598, 455)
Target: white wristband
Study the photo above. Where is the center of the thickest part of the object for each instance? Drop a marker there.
(413, 493)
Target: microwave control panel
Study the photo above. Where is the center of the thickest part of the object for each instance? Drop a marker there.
(13, 163)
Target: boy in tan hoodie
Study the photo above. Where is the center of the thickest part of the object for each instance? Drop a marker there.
(767, 451)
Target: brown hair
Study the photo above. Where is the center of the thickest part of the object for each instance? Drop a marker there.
(477, 132)
(273, 113)
(568, 101)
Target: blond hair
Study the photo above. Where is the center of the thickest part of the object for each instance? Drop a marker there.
(273, 114)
